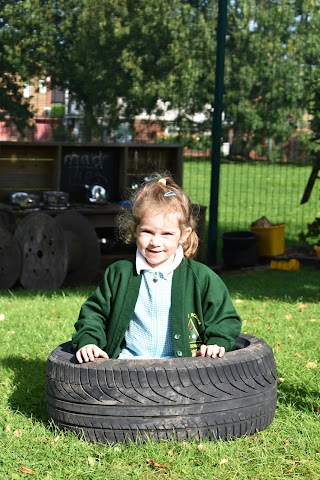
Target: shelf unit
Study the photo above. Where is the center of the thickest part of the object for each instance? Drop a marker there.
(26, 167)
(37, 167)
(142, 160)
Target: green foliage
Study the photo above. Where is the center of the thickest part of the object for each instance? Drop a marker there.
(270, 67)
(13, 105)
(60, 133)
(192, 140)
(27, 32)
(148, 45)
(144, 51)
(57, 111)
(103, 51)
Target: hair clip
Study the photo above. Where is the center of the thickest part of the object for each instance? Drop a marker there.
(170, 193)
(162, 181)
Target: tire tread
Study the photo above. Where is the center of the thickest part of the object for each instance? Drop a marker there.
(121, 401)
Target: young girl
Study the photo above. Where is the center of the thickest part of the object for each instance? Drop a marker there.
(163, 304)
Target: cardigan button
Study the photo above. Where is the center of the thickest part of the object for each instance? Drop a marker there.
(179, 353)
(177, 336)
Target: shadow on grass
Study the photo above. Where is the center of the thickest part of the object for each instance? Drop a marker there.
(299, 397)
(29, 396)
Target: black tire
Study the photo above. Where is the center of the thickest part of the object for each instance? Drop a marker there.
(124, 400)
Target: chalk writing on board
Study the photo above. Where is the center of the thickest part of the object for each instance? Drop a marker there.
(84, 167)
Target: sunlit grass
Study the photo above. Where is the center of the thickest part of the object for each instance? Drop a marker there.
(249, 191)
(281, 307)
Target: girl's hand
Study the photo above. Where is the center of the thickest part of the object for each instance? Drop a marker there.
(212, 351)
(89, 353)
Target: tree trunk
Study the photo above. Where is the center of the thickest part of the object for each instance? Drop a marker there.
(88, 123)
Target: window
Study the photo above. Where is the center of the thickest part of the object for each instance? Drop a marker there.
(42, 86)
(27, 91)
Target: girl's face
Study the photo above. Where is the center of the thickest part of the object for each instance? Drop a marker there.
(158, 237)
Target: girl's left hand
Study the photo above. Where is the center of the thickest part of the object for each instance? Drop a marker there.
(212, 351)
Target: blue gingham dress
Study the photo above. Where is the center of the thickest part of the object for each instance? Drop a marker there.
(149, 331)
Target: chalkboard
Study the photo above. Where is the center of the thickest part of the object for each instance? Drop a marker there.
(86, 165)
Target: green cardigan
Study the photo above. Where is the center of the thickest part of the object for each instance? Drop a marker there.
(201, 309)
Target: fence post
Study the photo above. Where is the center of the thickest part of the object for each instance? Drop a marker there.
(216, 133)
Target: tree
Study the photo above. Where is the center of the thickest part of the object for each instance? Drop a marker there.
(267, 62)
(109, 50)
(138, 52)
(308, 18)
(26, 34)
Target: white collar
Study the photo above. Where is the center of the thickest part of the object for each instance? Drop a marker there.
(142, 264)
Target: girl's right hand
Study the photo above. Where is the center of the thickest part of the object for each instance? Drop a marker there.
(212, 351)
(89, 353)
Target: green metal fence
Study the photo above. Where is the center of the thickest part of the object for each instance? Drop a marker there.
(270, 126)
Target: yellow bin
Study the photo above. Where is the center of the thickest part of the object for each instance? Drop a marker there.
(270, 240)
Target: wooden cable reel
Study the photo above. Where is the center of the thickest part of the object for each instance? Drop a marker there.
(57, 250)
(10, 259)
(83, 248)
(7, 217)
(44, 251)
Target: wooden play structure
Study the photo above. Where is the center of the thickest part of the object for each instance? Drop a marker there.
(68, 238)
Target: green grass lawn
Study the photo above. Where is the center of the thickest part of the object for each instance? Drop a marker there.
(281, 307)
(250, 190)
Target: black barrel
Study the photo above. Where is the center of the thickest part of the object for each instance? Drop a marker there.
(239, 249)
